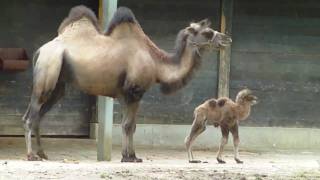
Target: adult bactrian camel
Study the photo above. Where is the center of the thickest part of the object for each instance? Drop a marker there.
(121, 63)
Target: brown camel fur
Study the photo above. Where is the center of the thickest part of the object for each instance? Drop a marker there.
(122, 63)
(225, 113)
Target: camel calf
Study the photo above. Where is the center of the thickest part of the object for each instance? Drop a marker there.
(225, 113)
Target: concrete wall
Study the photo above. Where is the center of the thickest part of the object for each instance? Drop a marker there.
(252, 138)
(275, 52)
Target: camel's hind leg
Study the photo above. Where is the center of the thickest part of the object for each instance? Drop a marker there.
(55, 95)
(31, 116)
(198, 126)
(48, 61)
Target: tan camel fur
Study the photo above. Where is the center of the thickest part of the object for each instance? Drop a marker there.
(225, 113)
(122, 63)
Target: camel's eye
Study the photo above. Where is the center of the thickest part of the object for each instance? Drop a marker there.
(207, 34)
(192, 30)
(250, 98)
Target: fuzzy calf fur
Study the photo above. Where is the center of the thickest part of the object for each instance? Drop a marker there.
(225, 113)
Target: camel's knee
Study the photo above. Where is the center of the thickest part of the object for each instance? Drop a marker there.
(27, 124)
(128, 127)
(187, 142)
(32, 115)
(236, 141)
(224, 141)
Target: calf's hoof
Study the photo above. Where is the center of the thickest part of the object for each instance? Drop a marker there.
(238, 161)
(220, 161)
(42, 155)
(131, 158)
(194, 161)
(32, 157)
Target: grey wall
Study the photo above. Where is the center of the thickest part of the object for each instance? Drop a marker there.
(29, 24)
(162, 20)
(275, 52)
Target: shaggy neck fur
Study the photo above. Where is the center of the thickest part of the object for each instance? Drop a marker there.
(174, 70)
(177, 71)
(243, 109)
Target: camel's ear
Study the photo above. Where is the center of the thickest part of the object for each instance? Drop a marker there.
(204, 22)
(191, 30)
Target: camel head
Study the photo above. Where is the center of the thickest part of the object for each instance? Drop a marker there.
(246, 96)
(205, 38)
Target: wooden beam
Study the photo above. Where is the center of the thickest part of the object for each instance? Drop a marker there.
(105, 104)
(225, 54)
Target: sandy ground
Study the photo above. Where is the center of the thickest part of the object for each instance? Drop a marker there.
(76, 159)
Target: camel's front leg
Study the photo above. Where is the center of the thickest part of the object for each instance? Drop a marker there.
(128, 129)
(236, 140)
(224, 141)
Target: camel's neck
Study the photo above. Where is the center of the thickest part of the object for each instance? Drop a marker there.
(243, 111)
(176, 70)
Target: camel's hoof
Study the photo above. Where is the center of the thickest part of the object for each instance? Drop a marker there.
(32, 157)
(238, 161)
(194, 161)
(42, 155)
(131, 159)
(220, 161)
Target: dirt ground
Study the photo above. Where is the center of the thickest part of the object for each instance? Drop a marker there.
(76, 159)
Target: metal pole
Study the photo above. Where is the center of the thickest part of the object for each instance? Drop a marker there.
(105, 104)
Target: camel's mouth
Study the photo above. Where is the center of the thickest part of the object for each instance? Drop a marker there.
(254, 100)
(225, 41)
(219, 40)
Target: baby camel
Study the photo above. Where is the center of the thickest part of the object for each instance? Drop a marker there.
(225, 113)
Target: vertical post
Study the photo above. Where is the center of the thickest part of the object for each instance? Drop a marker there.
(225, 54)
(105, 104)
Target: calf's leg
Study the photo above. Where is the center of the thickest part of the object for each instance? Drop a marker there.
(223, 142)
(236, 140)
(198, 126)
